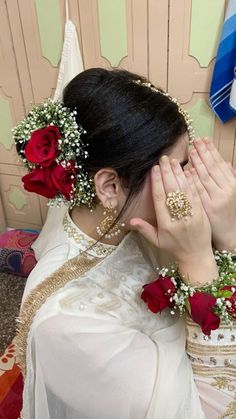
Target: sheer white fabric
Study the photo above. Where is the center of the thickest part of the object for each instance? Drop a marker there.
(71, 62)
(94, 351)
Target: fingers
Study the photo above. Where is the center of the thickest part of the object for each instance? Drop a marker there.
(179, 174)
(169, 179)
(218, 159)
(197, 188)
(159, 200)
(204, 167)
(192, 186)
(158, 193)
(146, 229)
(173, 176)
(233, 171)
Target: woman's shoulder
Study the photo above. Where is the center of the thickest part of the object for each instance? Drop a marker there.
(112, 288)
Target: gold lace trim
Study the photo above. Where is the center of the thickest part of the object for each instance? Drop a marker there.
(100, 249)
(71, 269)
(202, 349)
(224, 383)
(230, 385)
(203, 370)
(230, 412)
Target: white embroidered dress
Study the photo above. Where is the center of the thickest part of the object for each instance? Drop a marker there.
(95, 351)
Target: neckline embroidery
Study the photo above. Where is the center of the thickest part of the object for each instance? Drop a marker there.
(85, 242)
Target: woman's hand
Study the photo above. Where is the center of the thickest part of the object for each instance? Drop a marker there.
(189, 240)
(215, 182)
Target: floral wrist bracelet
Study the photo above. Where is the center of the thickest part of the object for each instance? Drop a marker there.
(207, 305)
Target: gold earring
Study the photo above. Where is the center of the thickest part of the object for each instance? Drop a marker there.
(104, 228)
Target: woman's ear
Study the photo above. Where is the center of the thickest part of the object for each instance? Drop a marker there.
(108, 188)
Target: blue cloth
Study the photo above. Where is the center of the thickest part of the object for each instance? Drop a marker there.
(225, 65)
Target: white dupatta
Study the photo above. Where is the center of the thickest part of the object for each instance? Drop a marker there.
(95, 351)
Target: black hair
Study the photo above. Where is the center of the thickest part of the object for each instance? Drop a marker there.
(128, 125)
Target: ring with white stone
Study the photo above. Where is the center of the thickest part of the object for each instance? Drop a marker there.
(178, 205)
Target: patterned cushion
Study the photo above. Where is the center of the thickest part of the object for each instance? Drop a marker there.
(16, 255)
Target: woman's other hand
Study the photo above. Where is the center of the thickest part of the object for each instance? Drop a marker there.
(189, 240)
(215, 182)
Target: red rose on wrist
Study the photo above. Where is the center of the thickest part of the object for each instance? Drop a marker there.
(201, 311)
(40, 182)
(157, 294)
(48, 181)
(231, 299)
(64, 178)
(42, 148)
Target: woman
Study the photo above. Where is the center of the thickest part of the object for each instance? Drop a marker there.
(87, 343)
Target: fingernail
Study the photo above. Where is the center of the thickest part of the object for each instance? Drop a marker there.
(156, 169)
(164, 159)
(193, 152)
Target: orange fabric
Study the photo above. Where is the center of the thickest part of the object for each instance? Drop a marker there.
(7, 380)
(11, 385)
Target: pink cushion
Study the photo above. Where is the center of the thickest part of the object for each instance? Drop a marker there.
(16, 255)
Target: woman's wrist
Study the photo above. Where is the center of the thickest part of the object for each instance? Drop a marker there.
(206, 303)
(198, 271)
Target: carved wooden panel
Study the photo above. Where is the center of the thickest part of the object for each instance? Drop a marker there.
(172, 42)
(194, 32)
(20, 207)
(11, 103)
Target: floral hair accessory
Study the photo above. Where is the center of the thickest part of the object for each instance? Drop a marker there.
(49, 143)
(182, 111)
(207, 305)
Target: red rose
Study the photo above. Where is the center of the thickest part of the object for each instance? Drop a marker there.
(40, 182)
(231, 299)
(201, 311)
(42, 147)
(64, 178)
(48, 181)
(157, 294)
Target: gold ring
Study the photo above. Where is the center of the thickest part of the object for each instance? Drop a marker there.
(178, 205)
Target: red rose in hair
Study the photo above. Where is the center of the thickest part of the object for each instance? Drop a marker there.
(201, 311)
(40, 182)
(48, 181)
(157, 295)
(231, 299)
(42, 148)
(64, 178)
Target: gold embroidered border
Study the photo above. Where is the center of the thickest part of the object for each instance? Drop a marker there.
(230, 412)
(224, 383)
(100, 249)
(198, 349)
(214, 371)
(71, 269)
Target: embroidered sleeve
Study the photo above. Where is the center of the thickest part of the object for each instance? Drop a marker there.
(213, 360)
